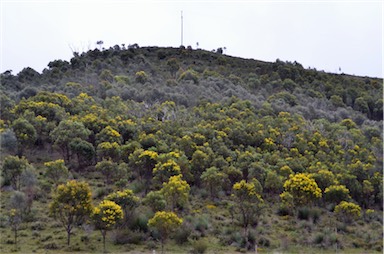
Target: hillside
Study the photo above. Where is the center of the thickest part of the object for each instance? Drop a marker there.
(247, 153)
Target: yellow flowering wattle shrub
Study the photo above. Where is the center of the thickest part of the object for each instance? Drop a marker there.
(303, 188)
(336, 193)
(176, 191)
(163, 171)
(126, 199)
(247, 202)
(108, 134)
(165, 222)
(348, 211)
(107, 214)
(56, 170)
(71, 204)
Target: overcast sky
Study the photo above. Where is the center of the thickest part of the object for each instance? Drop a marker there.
(323, 34)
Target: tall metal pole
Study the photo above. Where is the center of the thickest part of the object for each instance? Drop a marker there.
(181, 28)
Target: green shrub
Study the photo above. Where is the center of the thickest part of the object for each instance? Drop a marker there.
(236, 238)
(222, 60)
(171, 82)
(161, 54)
(288, 98)
(173, 66)
(284, 210)
(253, 83)
(315, 214)
(379, 246)
(8, 141)
(333, 240)
(200, 246)
(370, 215)
(155, 200)
(208, 73)
(303, 213)
(121, 237)
(106, 75)
(123, 80)
(51, 246)
(36, 234)
(128, 237)
(337, 101)
(101, 192)
(3, 220)
(85, 239)
(289, 85)
(182, 234)
(235, 79)
(251, 239)
(122, 183)
(138, 186)
(358, 243)
(201, 224)
(150, 245)
(141, 77)
(319, 238)
(264, 241)
(140, 222)
(37, 225)
(190, 75)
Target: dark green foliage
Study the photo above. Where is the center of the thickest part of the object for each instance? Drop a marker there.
(141, 77)
(200, 246)
(8, 141)
(109, 170)
(27, 75)
(286, 97)
(25, 134)
(303, 213)
(12, 169)
(283, 210)
(66, 132)
(123, 236)
(337, 101)
(155, 200)
(27, 92)
(173, 65)
(264, 242)
(84, 151)
(19, 202)
(200, 224)
(182, 234)
(190, 75)
(140, 222)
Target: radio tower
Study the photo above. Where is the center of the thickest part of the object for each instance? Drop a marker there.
(181, 28)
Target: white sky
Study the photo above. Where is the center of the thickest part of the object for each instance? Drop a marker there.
(323, 34)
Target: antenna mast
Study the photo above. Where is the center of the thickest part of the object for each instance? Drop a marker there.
(181, 28)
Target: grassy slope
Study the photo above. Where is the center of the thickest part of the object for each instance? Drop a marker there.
(284, 234)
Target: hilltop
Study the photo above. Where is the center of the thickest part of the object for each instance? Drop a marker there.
(167, 74)
(245, 153)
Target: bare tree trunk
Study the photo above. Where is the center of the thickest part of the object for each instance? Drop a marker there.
(15, 229)
(68, 235)
(104, 233)
(68, 238)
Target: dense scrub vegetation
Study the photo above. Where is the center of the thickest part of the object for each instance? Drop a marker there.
(192, 149)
